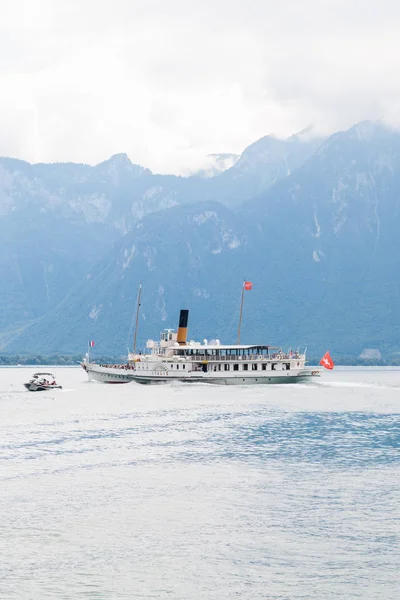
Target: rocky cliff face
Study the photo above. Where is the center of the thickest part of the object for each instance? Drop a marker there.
(57, 220)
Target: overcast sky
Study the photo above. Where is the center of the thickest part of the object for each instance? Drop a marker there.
(169, 81)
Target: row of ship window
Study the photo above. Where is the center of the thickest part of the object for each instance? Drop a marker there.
(254, 367)
(230, 367)
(245, 367)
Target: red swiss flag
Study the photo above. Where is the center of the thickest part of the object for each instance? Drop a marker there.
(248, 285)
(326, 361)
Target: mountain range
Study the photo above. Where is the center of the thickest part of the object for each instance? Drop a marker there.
(312, 222)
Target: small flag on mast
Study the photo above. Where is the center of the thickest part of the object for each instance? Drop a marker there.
(326, 361)
(91, 344)
(248, 285)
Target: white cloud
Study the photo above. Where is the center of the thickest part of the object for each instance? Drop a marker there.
(171, 81)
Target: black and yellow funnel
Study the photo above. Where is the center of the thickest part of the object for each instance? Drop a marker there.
(182, 328)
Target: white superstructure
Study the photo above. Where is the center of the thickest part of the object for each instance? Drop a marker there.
(173, 359)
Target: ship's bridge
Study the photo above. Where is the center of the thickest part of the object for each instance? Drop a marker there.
(168, 337)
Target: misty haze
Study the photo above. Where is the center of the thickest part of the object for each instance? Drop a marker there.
(204, 196)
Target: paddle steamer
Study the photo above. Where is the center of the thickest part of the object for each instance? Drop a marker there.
(172, 358)
(175, 359)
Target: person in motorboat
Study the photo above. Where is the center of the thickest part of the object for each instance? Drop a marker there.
(40, 382)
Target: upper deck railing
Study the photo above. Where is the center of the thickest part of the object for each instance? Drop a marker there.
(199, 357)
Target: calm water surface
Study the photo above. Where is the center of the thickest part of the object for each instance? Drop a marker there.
(201, 492)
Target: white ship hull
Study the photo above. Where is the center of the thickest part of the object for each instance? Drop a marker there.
(108, 374)
(271, 378)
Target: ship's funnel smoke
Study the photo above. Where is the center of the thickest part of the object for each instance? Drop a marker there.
(182, 328)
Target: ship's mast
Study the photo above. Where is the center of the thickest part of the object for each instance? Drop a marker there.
(137, 318)
(240, 316)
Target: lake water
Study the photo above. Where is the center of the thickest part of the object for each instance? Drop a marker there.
(200, 492)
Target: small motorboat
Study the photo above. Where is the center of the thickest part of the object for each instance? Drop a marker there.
(41, 382)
